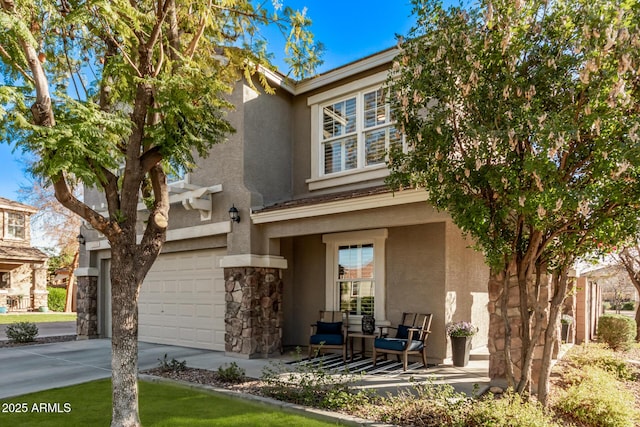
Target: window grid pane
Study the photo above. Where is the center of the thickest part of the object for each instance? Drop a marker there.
(339, 119)
(349, 145)
(357, 297)
(375, 149)
(15, 225)
(375, 110)
(356, 281)
(341, 154)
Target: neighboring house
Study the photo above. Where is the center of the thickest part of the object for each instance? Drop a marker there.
(23, 269)
(318, 230)
(614, 281)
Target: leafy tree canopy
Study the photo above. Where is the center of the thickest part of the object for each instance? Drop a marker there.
(156, 96)
(524, 116)
(95, 54)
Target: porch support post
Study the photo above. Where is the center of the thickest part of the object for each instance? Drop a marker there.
(253, 294)
(39, 288)
(87, 303)
(3, 297)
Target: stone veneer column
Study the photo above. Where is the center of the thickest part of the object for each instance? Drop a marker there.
(253, 318)
(3, 297)
(497, 363)
(39, 289)
(87, 303)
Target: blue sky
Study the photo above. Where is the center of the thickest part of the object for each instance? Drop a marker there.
(349, 30)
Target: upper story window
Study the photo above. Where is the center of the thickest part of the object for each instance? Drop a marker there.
(176, 175)
(15, 225)
(357, 132)
(351, 133)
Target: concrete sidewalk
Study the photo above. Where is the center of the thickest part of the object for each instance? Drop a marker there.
(40, 367)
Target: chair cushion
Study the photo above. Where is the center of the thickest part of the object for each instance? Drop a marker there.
(329, 328)
(328, 339)
(403, 332)
(397, 344)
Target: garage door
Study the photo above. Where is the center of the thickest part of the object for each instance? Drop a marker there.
(182, 301)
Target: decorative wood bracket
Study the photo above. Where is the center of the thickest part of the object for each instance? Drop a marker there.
(199, 199)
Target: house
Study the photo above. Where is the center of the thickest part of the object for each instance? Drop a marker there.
(23, 269)
(316, 229)
(615, 283)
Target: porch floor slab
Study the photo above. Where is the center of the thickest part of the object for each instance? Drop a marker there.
(46, 366)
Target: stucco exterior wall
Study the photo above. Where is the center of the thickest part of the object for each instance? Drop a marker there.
(304, 287)
(467, 285)
(416, 278)
(267, 145)
(390, 216)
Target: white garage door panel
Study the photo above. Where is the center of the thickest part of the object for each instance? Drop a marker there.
(182, 301)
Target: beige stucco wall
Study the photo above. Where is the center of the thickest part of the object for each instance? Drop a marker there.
(416, 278)
(304, 287)
(466, 285)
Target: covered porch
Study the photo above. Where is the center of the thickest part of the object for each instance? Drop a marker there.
(23, 278)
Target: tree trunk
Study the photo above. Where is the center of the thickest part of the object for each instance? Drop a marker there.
(560, 282)
(69, 298)
(629, 258)
(638, 323)
(124, 340)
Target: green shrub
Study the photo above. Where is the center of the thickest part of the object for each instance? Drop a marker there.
(22, 332)
(315, 386)
(598, 400)
(629, 305)
(424, 404)
(598, 355)
(172, 365)
(57, 299)
(232, 374)
(511, 410)
(617, 331)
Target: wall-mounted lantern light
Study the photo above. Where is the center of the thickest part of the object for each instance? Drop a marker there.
(234, 215)
(81, 239)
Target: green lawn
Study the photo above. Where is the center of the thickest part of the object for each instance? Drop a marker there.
(5, 319)
(167, 405)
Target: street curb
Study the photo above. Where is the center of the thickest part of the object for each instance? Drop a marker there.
(318, 414)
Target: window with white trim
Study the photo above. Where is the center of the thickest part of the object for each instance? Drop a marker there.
(356, 272)
(176, 175)
(351, 131)
(356, 278)
(357, 131)
(15, 225)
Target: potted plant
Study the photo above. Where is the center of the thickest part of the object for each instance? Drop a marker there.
(461, 334)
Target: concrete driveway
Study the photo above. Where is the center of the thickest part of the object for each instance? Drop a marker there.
(33, 368)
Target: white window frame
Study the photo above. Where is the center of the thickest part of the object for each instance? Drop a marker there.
(9, 235)
(378, 238)
(319, 179)
(182, 179)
